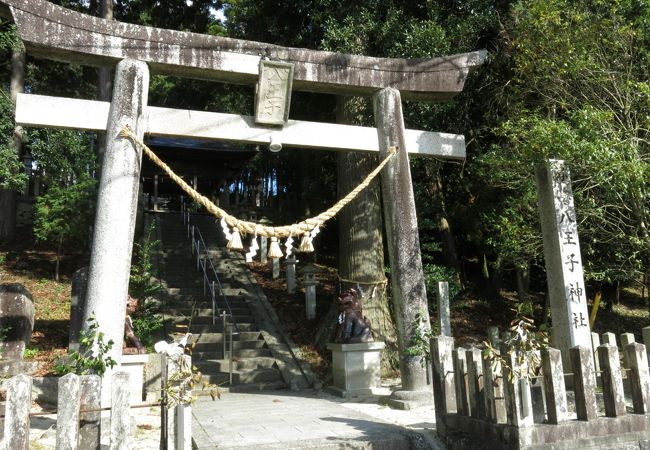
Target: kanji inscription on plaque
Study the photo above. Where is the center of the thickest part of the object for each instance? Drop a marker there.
(273, 94)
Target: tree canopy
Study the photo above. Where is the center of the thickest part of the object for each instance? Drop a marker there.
(565, 79)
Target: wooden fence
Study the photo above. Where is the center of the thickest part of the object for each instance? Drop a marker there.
(78, 403)
(496, 409)
(78, 414)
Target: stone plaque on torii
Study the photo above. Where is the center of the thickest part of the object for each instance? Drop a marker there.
(53, 32)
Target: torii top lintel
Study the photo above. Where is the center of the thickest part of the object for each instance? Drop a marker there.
(53, 32)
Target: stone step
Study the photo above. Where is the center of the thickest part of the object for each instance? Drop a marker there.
(206, 340)
(243, 388)
(217, 336)
(239, 365)
(203, 320)
(173, 299)
(216, 352)
(199, 302)
(253, 376)
(195, 291)
(203, 310)
(217, 328)
(200, 328)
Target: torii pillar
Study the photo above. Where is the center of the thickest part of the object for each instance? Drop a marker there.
(117, 203)
(406, 274)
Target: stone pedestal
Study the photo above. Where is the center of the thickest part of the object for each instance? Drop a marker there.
(355, 368)
(134, 365)
(276, 268)
(290, 263)
(310, 299)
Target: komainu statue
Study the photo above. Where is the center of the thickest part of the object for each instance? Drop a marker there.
(353, 326)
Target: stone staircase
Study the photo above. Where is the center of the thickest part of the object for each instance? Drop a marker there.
(186, 308)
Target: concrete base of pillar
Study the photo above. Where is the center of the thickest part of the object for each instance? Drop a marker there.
(356, 369)
(408, 399)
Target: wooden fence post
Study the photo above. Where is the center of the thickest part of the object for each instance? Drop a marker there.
(646, 340)
(475, 381)
(19, 400)
(493, 392)
(554, 388)
(584, 379)
(608, 338)
(179, 420)
(519, 413)
(183, 415)
(637, 360)
(90, 429)
(460, 380)
(612, 381)
(120, 414)
(67, 414)
(595, 343)
(626, 339)
(444, 394)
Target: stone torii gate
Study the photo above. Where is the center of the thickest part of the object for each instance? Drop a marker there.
(53, 32)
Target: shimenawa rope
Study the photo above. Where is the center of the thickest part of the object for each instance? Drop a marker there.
(307, 228)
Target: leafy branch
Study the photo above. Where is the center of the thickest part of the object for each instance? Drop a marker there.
(524, 341)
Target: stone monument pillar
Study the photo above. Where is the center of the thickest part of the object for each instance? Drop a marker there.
(310, 282)
(444, 317)
(16, 326)
(566, 286)
(110, 261)
(407, 277)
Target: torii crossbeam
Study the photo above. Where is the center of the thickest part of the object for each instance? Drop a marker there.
(53, 32)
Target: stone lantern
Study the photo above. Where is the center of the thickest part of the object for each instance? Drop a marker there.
(309, 282)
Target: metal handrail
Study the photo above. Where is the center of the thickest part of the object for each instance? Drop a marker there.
(198, 244)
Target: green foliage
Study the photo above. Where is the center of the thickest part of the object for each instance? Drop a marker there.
(92, 358)
(433, 274)
(65, 214)
(419, 345)
(574, 88)
(142, 282)
(143, 286)
(12, 172)
(610, 184)
(63, 157)
(31, 353)
(147, 321)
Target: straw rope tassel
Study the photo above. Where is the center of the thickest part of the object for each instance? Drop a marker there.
(274, 250)
(235, 243)
(306, 245)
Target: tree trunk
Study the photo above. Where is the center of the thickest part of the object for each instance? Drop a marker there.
(523, 282)
(8, 199)
(58, 259)
(7, 214)
(361, 249)
(444, 229)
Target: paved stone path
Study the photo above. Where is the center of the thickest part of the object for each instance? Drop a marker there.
(308, 420)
